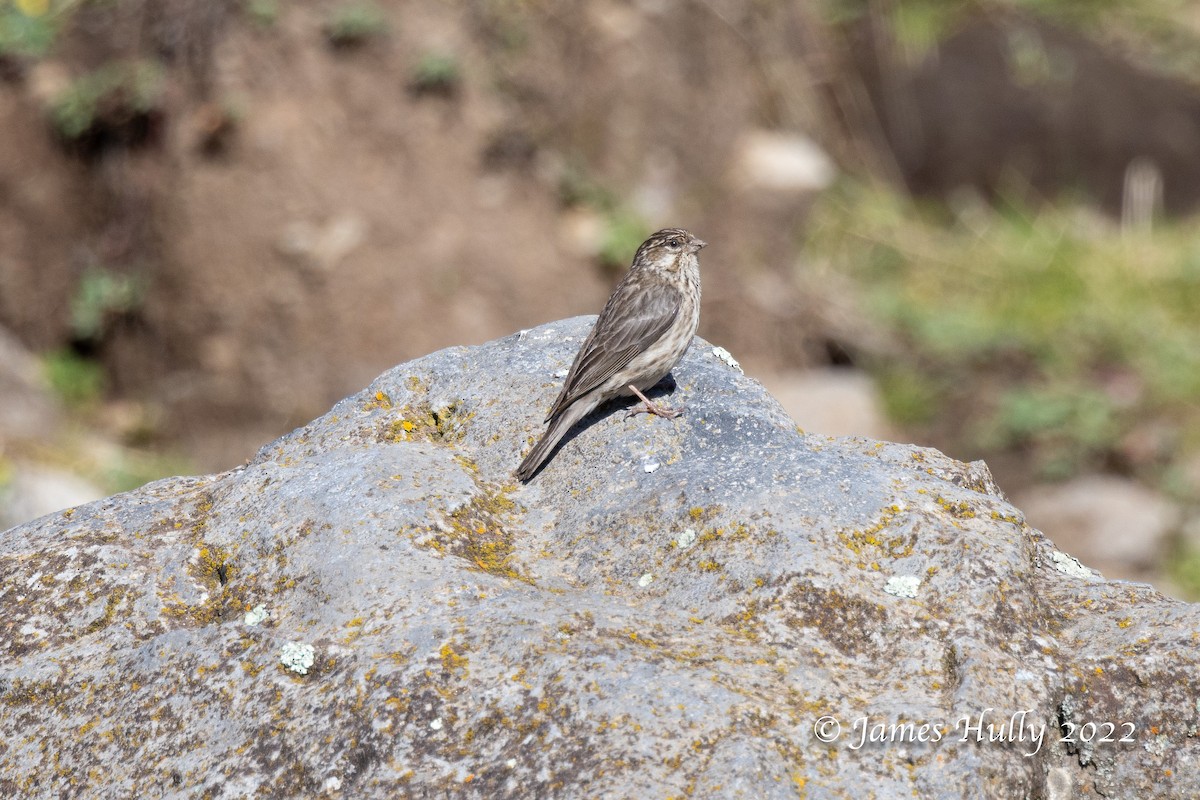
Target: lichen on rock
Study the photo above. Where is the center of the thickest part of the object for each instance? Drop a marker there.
(603, 630)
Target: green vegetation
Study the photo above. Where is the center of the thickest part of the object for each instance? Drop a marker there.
(1152, 26)
(1184, 569)
(1052, 332)
(119, 89)
(263, 13)
(355, 23)
(100, 295)
(437, 73)
(130, 468)
(623, 229)
(77, 381)
(27, 28)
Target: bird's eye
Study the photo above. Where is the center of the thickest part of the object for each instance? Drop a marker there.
(673, 244)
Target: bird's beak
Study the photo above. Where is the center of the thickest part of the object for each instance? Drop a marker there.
(698, 244)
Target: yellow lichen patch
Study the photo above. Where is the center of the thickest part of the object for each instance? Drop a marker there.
(380, 400)
(452, 661)
(746, 622)
(214, 566)
(423, 422)
(893, 546)
(115, 597)
(709, 565)
(737, 532)
(699, 514)
(355, 627)
(960, 510)
(478, 533)
(466, 463)
(203, 508)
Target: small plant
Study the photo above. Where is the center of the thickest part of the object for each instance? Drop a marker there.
(263, 13)
(1025, 330)
(436, 73)
(113, 95)
(101, 296)
(623, 232)
(622, 229)
(77, 381)
(1068, 427)
(577, 188)
(27, 28)
(354, 24)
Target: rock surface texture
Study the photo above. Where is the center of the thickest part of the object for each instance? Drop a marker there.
(373, 608)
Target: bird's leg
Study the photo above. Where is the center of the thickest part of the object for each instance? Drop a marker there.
(648, 407)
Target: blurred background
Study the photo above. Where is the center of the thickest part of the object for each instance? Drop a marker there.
(969, 224)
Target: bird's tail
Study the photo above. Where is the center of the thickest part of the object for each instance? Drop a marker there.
(558, 428)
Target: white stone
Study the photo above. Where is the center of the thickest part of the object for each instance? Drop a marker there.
(783, 162)
(35, 491)
(1108, 522)
(836, 401)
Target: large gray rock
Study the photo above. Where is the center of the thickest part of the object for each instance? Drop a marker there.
(614, 628)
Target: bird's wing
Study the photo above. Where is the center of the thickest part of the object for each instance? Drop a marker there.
(633, 319)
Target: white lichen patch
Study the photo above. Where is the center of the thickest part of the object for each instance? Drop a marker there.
(298, 657)
(257, 615)
(685, 539)
(436, 724)
(727, 357)
(650, 466)
(1156, 745)
(903, 585)
(560, 374)
(645, 580)
(1069, 565)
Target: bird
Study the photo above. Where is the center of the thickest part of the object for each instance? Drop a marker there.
(641, 334)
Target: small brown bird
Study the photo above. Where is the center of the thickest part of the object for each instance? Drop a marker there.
(643, 331)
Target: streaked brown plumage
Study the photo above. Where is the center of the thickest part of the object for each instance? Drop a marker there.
(642, 333)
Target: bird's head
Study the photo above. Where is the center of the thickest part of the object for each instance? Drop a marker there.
(671, 249)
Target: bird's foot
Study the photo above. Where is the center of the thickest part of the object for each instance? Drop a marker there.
(647, 406)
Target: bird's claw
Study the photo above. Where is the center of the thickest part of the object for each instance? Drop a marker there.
(647, 407)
